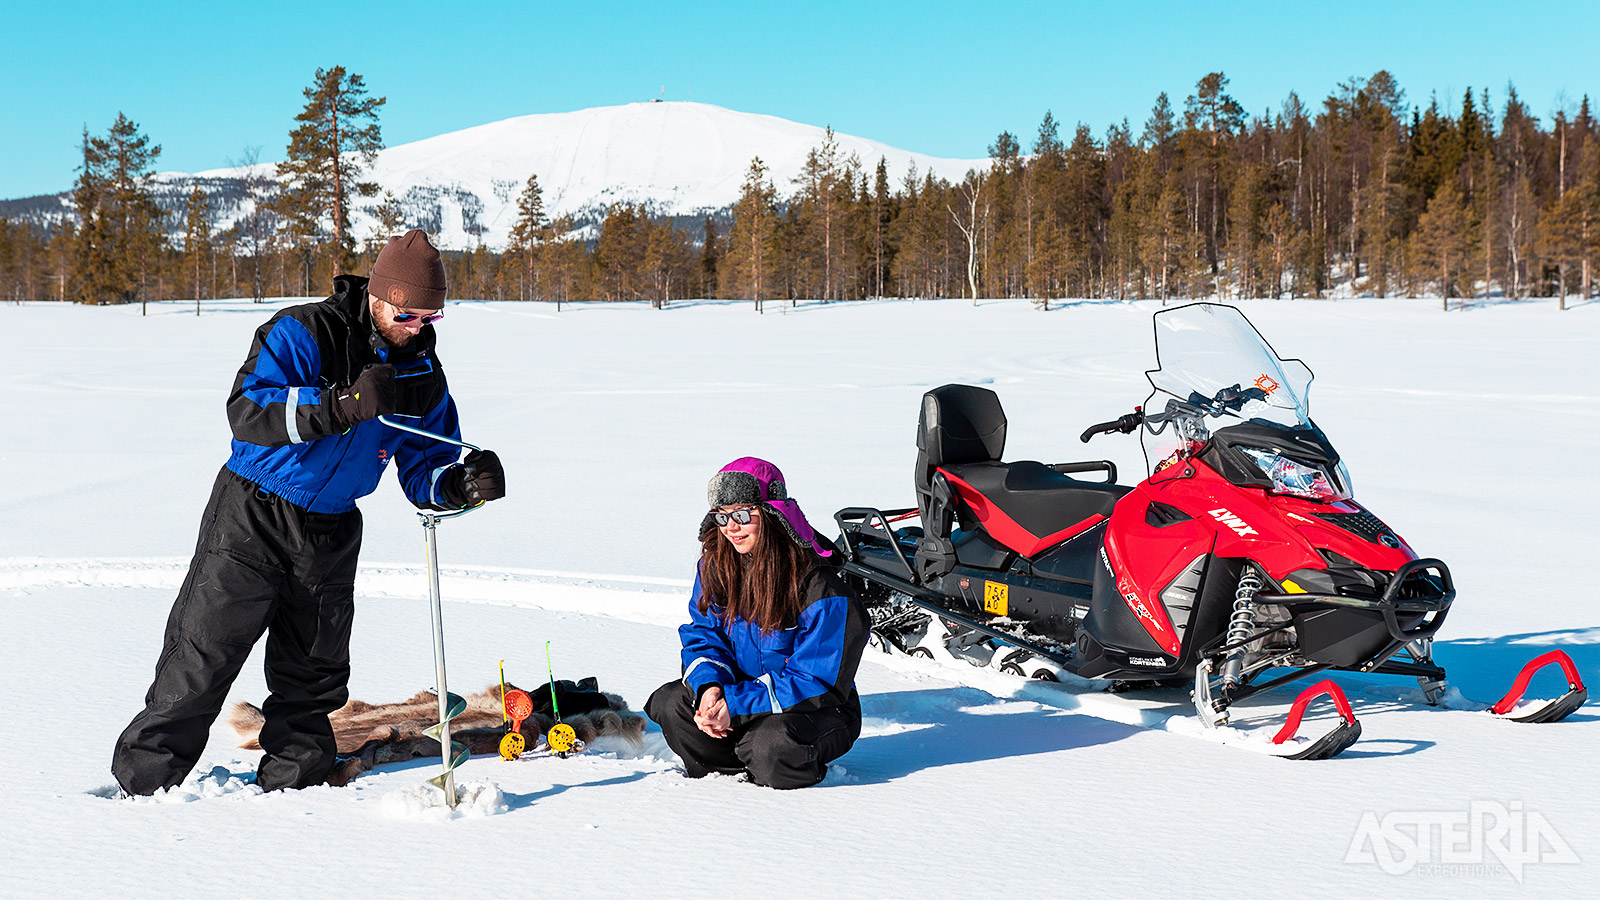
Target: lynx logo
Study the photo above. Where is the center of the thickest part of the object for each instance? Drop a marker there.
(1234, 522)
(1106, 561)
(1147, 661)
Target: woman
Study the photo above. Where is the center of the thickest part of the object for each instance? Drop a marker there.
(772, 644)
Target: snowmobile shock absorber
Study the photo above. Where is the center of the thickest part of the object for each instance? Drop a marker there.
(451, 753)
(1240, 625)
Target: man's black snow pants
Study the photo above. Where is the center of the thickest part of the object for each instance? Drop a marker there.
(782, 750)
(261, 564)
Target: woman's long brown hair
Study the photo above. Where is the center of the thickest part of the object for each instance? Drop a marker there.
(766, 589)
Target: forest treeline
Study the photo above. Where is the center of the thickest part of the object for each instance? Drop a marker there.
(1364, 193)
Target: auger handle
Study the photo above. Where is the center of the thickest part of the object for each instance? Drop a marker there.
(428, 515)
(427, 434)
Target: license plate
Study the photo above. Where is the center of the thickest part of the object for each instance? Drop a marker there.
(996, 597)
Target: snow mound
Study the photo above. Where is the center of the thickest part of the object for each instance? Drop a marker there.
(474, 799)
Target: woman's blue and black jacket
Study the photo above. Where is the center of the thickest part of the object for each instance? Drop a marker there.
(285, 437)
(808, 667)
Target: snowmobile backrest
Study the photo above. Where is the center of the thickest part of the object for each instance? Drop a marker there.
(959, 423)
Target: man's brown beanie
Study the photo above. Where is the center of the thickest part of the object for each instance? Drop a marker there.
(408, 273)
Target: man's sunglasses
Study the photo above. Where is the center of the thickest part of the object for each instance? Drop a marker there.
(742, 516)
(428, 319)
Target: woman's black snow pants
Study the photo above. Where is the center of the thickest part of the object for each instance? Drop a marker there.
(261, 564)
(782, 750)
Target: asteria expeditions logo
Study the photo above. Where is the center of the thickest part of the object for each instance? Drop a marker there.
(1488, 838)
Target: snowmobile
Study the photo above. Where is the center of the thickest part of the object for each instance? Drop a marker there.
(1241, 563)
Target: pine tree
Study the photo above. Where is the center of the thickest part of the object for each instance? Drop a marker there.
(94, 276)
(337, 139)
(1215, 116)
(1443, 242)
(710, 258)
(882, 215)
(1125, 227)
(752, 258)
(1160, 133)
(120, 237)
(196, 236)
(815, 209)
(1085, 208)
(526, 233)
(1042, 189)
(137, 220)
(1283, 242)
(619, 253)
(1000, 265)
(666, 261)
(563, 263)
(1246, 209)
(390, 218)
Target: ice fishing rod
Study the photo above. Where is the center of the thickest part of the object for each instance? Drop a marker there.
(561, 739)
(515, 706)
(451, 753)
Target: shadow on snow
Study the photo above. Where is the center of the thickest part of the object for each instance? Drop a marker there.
(951, 726)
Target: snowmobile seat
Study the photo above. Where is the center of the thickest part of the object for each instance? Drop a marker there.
(1026, 506)
(1029, 506)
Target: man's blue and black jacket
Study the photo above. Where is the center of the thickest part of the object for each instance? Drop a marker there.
(285, 437)
(808, 667)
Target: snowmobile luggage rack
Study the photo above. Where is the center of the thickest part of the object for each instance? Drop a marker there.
(897, 572)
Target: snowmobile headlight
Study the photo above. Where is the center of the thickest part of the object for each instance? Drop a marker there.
(1300, 479)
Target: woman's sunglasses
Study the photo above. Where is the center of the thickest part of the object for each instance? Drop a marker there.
(742, 516)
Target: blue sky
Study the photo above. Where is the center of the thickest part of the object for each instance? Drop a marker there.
(206, 80)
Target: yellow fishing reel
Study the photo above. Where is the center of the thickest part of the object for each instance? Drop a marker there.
(512, 745)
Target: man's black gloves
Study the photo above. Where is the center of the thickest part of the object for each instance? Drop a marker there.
(372, 395)
(477, 479)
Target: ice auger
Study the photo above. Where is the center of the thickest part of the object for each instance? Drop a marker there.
(451, 753)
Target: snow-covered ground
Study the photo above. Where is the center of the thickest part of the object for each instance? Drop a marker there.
(1471, 433)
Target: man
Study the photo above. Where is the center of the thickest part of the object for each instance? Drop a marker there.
(281, 533)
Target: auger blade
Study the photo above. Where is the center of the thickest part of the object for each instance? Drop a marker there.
(455, 705)
(458, 755)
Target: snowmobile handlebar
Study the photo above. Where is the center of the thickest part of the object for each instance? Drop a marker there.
(1125, 424)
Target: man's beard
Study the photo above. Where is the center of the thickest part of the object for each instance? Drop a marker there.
(394, 334)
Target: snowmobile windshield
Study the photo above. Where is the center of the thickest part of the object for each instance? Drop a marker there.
(1213, 369)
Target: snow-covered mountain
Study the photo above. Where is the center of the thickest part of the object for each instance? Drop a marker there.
(680, 158)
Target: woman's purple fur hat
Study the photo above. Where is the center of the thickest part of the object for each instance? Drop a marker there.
(752, 480)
